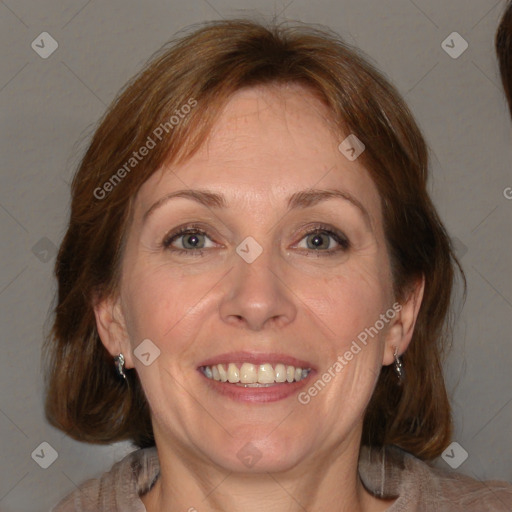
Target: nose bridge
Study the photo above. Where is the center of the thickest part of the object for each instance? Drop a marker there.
(256, 293)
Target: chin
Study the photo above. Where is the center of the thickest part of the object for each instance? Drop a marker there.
(259, 454)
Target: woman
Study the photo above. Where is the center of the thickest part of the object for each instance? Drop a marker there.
(253, 288)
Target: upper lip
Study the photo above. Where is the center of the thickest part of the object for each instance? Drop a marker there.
(257, 358)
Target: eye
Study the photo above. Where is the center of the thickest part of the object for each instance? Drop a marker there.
(190, 240)
(322, 239)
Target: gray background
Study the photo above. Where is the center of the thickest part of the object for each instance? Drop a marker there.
(50, 107)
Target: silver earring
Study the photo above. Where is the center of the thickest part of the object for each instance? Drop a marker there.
(119, 362)
(399, 367)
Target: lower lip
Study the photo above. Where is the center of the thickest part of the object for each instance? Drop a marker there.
(279, 391)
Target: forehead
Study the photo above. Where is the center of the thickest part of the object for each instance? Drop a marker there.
(268, 142)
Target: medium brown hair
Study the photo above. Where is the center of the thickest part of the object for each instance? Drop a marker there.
(84, 396)
(503, 44)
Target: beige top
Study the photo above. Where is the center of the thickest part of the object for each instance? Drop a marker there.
(418, 486)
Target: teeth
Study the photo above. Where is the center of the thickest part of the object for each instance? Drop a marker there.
(280, 372)
(266, 374)
(251, 375)
(223, 374)
(248, 374)
(233, 373)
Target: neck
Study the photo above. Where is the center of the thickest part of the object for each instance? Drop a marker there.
(330, 481)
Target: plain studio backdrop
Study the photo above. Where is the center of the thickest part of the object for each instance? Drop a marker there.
(52, 95)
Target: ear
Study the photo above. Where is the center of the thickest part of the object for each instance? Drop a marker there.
(111, 326)
(400, 332)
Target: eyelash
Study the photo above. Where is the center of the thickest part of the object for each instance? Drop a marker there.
(339, 237)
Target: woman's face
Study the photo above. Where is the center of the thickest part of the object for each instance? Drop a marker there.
(256, 278)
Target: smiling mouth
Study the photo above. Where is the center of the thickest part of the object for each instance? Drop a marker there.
(255, 375)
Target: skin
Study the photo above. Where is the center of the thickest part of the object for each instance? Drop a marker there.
(269, 143)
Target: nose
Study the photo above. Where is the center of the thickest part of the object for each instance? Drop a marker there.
(259, 293)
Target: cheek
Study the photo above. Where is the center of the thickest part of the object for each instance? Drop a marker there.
(349, 301)
(169, 308)
(156, 301)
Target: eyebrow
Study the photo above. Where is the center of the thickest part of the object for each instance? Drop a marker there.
(302, 199)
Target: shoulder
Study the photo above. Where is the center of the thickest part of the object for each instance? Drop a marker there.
(118, 489)
(419, 484)
(469, 494)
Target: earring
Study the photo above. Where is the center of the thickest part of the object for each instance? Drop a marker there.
(119, 362)
(399, 367)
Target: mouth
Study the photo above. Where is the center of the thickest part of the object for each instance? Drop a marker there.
(250, 377)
